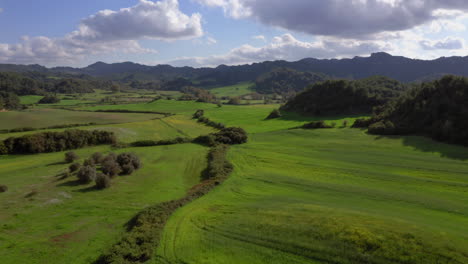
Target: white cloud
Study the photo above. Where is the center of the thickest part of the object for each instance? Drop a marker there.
(286, 47)
(108, 32)
(211, 41)
(259, 37)
(345, 18)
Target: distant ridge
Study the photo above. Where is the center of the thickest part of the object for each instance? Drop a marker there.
(381, 63)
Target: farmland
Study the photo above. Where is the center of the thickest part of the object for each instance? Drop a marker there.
(334, 195)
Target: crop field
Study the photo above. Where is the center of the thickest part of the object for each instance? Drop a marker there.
(233, 90)
(41, 118)
(329, 196)
(46, 219)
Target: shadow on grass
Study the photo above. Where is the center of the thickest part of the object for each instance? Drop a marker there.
(426, 144)
(88, 189)
(70, 183)
(291, 116)
(57, 163)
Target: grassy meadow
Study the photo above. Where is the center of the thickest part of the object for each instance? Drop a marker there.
(46, 219)
(329, 196)
(233, 90)
(296, 196)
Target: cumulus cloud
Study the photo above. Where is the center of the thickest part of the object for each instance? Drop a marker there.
(106, 32)
(345, 18)
(445, 44)
(259, 37)
(286, 47)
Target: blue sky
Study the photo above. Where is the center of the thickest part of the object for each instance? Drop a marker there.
(212, 32)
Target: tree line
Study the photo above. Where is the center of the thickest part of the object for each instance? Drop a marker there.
(55, 141)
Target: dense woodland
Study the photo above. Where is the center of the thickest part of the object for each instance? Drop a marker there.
(9, 101)
(345, 97)
(438, 109)
(286, 81)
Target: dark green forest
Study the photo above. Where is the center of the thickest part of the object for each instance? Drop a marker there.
(286, 81)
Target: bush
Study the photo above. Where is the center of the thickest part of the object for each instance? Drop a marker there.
(218, 165)
(316, 125)
(74, 167)
(111, 168)
(231, 136)
(97, 157)
(361, 123)
(129, 162)
(49, 99)
(274, 114)
(3, 148)
(345, 123)
(382, 128)
(3, 188)
(102, 181)
(198, 114)
(208, 140)
(86, 174)
(234, 101)
(89, 162)
(71, 157)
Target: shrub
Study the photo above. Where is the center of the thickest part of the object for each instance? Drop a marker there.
(218, 165)
(89, 162)
(97, 157)
(316, 125)
(49, 99)
(86, 174)
(128, 162)
(345, 123)
(382, 128)
(3, 148)
(74, 167)
(207, 140)
(111, 168)
(231, 136)
(71, 157)
(198, 114)
(3, 188)
(274, 114)
(234, 101)
(361, 123)
(102, 181)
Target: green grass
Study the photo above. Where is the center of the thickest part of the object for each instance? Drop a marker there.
(40, 118)
(69, 223)
(30, 99)
(329, 196)
(157, 129)
(165, 106)
(233, 90)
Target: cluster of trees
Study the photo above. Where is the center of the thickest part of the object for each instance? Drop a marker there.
(438, 109)
(9, 101)
(55, 141)
(200, 95)
(101, 169)
(345, 97)
(49, 99)
(286, 81)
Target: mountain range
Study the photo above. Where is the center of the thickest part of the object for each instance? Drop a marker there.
(397, 67)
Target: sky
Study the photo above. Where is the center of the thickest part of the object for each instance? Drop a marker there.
(207, 33)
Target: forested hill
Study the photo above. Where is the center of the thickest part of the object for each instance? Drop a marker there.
(399, 68)
(438, 109)
(284, 81)
(345, 97)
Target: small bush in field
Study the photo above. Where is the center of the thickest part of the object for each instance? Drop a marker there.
(97, 157)
(86, 174)
(74, 167)
(102, 181)
(3, 188)
(71, 157)
(128, 162)
(111, 168)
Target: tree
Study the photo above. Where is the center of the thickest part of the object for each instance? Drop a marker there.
(86, 174)
(231, 136)
(71, 157)
(274, 114)
(49, 99)
(102, 181)
(74, 167)
(234, 101)
(345, 123)
(115, 88)
(97, 157)
(128, 162)
(111, 168)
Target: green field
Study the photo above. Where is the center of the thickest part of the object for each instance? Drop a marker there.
(233, 90)
(30, 99)
(69, 223)
(296, 196)
(40, 118)
(329, 196)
